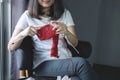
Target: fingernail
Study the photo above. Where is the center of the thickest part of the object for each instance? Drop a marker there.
(53, 28)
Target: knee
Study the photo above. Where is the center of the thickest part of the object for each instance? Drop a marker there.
(81, 60)
(19, 54)
(19, 51)
(80, 63)
(19, 57)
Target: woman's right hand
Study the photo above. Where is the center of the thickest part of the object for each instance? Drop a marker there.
(30, 31)
(19, 35)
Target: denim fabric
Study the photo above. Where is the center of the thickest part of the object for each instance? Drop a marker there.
(77, 68)
(14, 69)
(16, 62)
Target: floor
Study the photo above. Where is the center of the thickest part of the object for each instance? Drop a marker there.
(107, 72)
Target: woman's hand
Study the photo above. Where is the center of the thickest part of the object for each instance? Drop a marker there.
(60, 28)
(30, 31)
(69, 32)
(18, 36)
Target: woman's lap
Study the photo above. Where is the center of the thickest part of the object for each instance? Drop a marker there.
(75, 66)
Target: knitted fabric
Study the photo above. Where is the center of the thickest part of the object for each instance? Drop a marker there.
(47, 32)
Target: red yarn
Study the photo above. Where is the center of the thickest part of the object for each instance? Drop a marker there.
(47, 32)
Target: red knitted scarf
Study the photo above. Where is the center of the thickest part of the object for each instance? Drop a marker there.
(47, 32)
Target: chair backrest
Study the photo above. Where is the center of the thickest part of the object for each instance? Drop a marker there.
(27, 47)
(84, 48)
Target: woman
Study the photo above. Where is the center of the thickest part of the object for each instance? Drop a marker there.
(51, 56)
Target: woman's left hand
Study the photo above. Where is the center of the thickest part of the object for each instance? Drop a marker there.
(68, 32)
(60, 28)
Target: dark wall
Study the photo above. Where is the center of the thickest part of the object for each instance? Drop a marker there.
(108, 38)
(98, 21)
(85, 14)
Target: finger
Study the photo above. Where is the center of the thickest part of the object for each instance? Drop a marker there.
(55, 24)
(31, 26)
(58, 30)
(55, 27)
(34, 28)
(38, 27)
(32, 33)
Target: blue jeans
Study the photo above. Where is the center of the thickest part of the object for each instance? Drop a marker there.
(77, 68)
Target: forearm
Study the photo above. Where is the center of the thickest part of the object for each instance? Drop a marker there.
(71, 38)
(15, 42)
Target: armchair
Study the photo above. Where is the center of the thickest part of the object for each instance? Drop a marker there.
(21, 61)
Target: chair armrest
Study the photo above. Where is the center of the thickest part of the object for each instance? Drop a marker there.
(83, 47)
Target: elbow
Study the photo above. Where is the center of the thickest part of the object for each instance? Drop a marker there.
(11, 48)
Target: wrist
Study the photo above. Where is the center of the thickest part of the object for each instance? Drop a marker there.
(66, 32)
